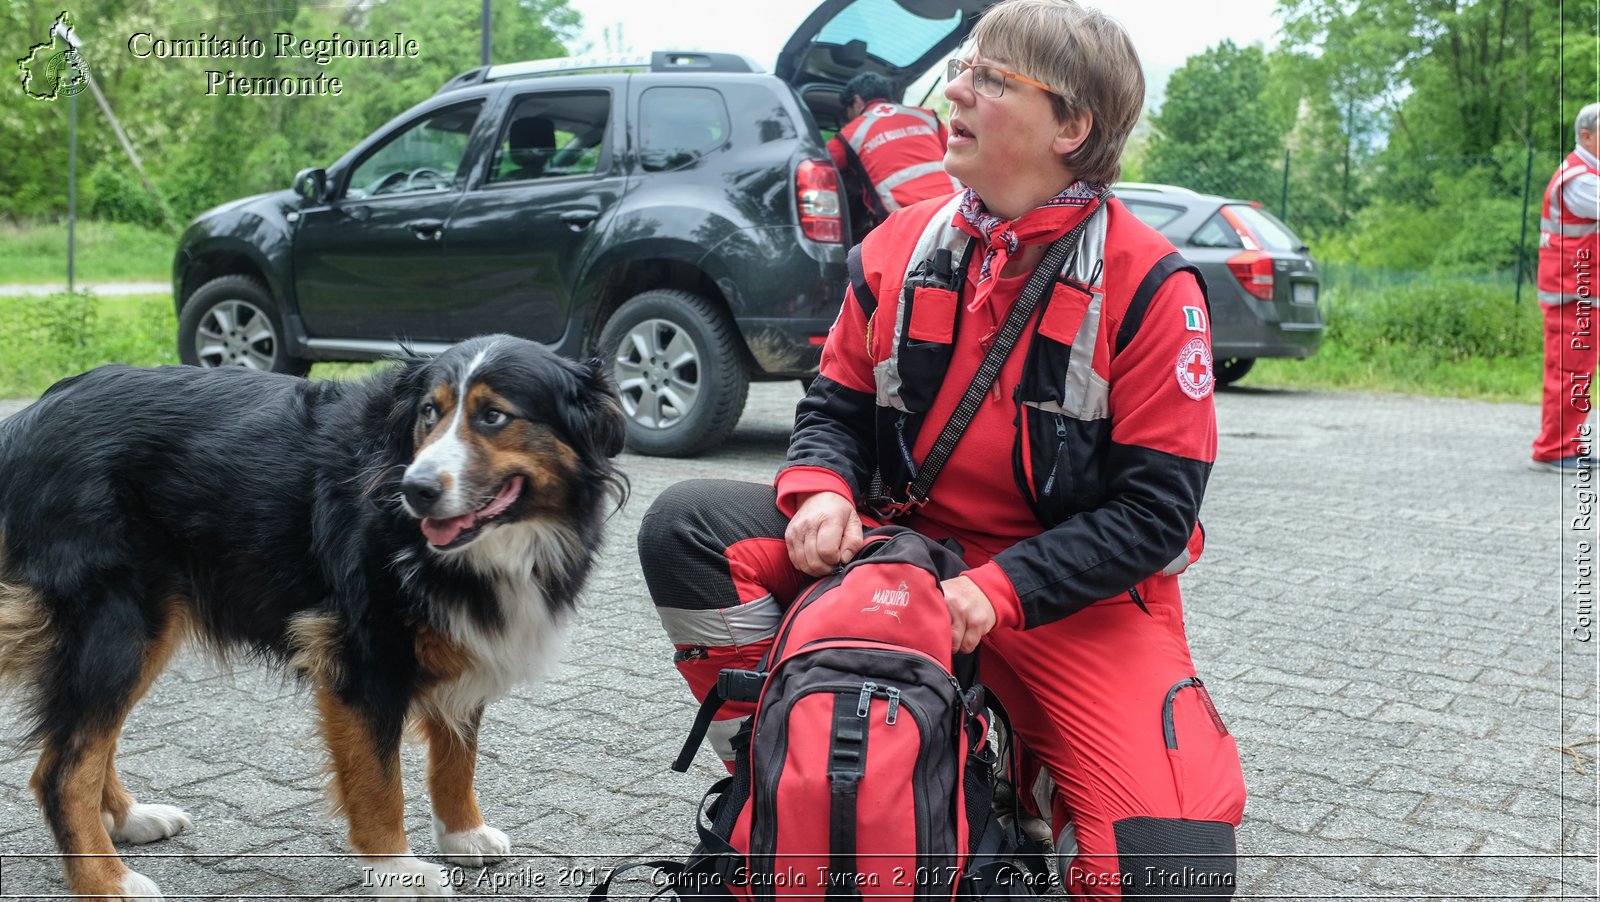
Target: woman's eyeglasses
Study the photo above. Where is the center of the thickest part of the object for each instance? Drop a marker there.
(989, 81)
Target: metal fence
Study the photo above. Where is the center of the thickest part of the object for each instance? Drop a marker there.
(1392, 219)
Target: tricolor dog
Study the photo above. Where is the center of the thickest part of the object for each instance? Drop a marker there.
(408, 545)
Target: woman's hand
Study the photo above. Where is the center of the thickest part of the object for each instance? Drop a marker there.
(824, 533)
(971, 613)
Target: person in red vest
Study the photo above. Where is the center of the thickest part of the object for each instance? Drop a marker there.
(1569, 239)
(1073, 490)
(893, 154)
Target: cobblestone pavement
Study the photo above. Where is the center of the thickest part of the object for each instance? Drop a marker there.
(1387, 616)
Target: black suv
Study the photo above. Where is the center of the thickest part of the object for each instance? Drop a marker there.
(677, 215)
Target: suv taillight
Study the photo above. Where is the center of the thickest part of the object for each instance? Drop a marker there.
(1253, 269)
(817, 197)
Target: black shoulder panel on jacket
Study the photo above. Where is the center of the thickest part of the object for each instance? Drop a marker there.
(1146, 292)
(858, 284)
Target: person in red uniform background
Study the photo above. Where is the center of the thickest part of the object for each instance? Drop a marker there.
(894, 154)
(1103, 411)
(1569, 239)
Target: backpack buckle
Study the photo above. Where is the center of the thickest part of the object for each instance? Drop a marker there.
(889, 509)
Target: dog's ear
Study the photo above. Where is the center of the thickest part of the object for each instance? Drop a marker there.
(407, 383)
(596, 417)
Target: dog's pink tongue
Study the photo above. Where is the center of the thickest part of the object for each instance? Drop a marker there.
(440, 533)
(502, 500)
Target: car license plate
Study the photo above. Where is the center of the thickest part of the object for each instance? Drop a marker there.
(1305, 293)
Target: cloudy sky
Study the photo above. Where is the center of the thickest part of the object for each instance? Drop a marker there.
(1166, 32)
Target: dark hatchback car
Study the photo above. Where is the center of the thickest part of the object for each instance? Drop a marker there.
(1263, 284)
(677, 215)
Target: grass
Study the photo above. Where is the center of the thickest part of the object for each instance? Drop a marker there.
(1395, 369)
(36, 254)
(44, 339)
(1441, 338)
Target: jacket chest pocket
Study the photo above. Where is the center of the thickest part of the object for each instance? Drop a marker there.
(1063, 407)
(924, 355)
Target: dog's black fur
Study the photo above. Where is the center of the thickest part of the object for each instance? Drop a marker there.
(137, 506)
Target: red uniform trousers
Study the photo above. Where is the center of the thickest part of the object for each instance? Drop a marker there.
(1570, 354)
(1106, 698)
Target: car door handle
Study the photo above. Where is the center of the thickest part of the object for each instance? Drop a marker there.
(578, 220)
(427, 229)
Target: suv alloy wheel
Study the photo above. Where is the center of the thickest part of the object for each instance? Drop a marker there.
(233, 321)
(678, 366)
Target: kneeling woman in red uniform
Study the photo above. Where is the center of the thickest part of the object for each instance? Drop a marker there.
(1074, 491)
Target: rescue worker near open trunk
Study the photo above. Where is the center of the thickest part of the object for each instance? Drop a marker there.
(1568, 243)
(893, 154)
(1074, 491)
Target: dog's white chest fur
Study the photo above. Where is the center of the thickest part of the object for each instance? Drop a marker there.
(522, 645)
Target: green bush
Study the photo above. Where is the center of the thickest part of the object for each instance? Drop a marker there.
(1448, 320)
(44, 339)
(115, 196)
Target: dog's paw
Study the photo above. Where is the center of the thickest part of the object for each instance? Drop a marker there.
(147, 823)
(138, 886)
(479, 846)
(405, 878)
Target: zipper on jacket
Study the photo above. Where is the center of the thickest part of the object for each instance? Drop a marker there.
(894, 706)
(1061, 450)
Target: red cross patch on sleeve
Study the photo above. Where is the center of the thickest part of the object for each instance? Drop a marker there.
(1195, 374)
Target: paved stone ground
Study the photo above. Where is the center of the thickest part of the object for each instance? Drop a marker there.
(1384, 615)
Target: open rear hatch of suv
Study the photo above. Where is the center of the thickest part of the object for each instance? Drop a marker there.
(898, 39)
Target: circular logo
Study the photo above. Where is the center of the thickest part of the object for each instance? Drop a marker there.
(67, 71)
(1195, 375)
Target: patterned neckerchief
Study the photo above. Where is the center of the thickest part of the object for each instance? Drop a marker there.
(1044, 223)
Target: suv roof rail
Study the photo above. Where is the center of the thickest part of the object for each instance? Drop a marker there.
(659, 61)
(1152, 186)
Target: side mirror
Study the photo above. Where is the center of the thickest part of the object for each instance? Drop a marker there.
(311, 184)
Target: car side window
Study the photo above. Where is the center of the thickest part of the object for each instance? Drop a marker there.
(678, 126)
(1156, 216)
(1217, 232)
(553, 134)
(423, 157)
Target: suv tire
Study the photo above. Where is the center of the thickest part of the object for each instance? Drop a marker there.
(1232, 369)
(678, 365)
(233, 321)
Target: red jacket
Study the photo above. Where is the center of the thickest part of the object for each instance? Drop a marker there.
(898, 154)
(1082, 474)
(1567, 244)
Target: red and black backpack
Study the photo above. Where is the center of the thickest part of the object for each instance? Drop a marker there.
(867, 769)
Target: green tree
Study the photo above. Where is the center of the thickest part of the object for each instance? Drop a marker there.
(202, 149)
(1438, 105)
(1217, 130)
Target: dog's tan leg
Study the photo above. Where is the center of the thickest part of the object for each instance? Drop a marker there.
(85, 803)
(458, 826)
(69, 783)
(129, 821)
(125, 819)
(367, 788)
